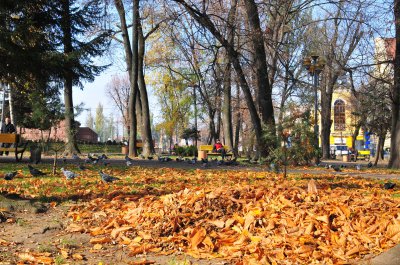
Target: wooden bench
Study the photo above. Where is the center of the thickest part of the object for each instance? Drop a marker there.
(209, 150)
(18, 147)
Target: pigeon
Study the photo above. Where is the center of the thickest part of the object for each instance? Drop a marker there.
(231, 162)
(127, 158)
(369, 164)
(129, 163)
(10, 175)
(107, 178)
(103, 156)
(149, 157)
(35, 172)
(220, 162)
(327, 166)
(69, 174)
(179, 159)
(75, 157)
(336, 168)
(358, 167)
(389, 185)
(91, 158)
(343, 166)
(82, 167)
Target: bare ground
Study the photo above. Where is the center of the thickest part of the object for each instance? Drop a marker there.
(28, 227)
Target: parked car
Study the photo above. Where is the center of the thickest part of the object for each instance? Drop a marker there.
(339, 150)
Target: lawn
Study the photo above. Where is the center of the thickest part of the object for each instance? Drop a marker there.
(247, 217)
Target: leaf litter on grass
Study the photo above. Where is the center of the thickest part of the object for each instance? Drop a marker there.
(243, 216)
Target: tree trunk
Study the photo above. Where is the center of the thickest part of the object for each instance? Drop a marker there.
(134, 80)
(237, 122)
(394, 161)
(227, 89)
(211, 126)
(379, 149)
(326, 122)
(148, 146)
(70, 127)
(264, 90)
(355, 134)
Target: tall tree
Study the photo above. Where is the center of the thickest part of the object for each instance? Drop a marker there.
(264, 103)
(395, 132)
(79, 41)
(118, 91)
(134, 47)
(100, 122)
(89, 120)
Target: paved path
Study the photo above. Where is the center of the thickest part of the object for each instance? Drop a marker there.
(348, 171)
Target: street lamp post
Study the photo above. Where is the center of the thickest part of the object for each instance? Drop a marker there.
(314, 65)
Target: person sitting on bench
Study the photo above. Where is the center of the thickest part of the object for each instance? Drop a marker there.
(7, 127)
(219, 148)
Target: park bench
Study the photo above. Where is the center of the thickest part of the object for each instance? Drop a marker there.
(364, 154)
(209, 151)
(18, 146)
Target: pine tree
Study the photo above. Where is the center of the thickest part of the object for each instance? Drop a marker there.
(78, 40)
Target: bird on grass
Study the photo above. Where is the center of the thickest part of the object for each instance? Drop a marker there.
(69, 174)
(129, 163)
(358, 167)
(369, 164)
(103, 156)
(336, 168)
(231, 162)
(10, 175)
(35, 172)
(389, 185)
(107, 178)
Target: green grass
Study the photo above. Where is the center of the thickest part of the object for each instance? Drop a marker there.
(59, 260)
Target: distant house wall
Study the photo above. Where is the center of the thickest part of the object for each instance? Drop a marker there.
(57, 133)
(85, 134)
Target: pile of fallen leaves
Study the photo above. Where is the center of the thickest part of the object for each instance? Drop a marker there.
(273, 220)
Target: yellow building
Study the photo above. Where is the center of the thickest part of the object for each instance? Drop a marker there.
(343, 122)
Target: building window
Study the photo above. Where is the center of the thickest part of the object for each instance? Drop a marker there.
(339, 115)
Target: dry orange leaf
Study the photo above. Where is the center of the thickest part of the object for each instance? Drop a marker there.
(75, 228)
(115, 232)
(197, 236)
(100, 240)
(77, 256)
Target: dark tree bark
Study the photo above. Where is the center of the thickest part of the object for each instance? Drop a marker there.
(70, 127)
(227, 106)
(131, 59)
(264, 90)
(394, 161)
(237, 122)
